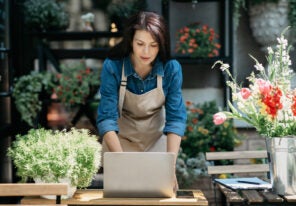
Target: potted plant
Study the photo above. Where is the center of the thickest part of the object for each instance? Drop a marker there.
(197, 40)
(46, 15)
(54, 156)
(120, 10)
(26, 93)
(73, 85)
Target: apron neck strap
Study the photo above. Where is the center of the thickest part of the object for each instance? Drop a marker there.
(122, 90)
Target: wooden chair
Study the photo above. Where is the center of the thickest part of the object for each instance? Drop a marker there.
(237, 168)
(33, 189)
(242, 166)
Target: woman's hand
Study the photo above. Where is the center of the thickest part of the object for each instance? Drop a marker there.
(173, 145)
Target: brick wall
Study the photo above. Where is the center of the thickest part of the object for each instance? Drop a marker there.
(251, 140)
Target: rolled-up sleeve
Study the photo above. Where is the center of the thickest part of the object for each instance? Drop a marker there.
(176, 115)
(108, 110)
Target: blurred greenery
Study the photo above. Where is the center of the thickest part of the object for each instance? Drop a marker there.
(202, 135)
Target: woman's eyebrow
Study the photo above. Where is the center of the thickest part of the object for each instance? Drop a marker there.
(145, 42)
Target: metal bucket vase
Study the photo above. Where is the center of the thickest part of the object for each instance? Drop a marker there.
(282, 161)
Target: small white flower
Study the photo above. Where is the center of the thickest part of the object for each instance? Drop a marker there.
(259, 67)
(89, 17)
(224, 66)
(270, 50)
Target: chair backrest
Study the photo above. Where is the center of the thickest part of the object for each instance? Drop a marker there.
(34, 189)
(246, 167)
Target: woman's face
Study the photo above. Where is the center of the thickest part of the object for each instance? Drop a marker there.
(145, 48)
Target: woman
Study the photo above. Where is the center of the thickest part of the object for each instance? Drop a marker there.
(141, 107)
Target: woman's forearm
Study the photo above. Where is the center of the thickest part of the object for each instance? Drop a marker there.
(173, 143)
(112, 141)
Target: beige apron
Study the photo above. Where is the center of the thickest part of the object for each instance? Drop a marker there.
(141, 119)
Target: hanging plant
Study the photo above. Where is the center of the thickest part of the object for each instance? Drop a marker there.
(26, 94)
(73, 85)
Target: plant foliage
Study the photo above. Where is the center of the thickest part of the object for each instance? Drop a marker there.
(202, 135)
(52, 155)
(73, 85)
(197, 40)
(26, 94)
(46, 15)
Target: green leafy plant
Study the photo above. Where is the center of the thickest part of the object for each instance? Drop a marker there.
(201, 136)
(53, 155)
(46, 15)
(26, 94)
(197, 40)
(73, 85)
(189, 169)
(120, 10)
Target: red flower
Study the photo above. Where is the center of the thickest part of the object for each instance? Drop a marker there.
(79, 77)
(194, 121)
(212, 149)
(188, 103)
(197, 40)
(293, 107)
(87, 71)
(190, 128)
(273, 101)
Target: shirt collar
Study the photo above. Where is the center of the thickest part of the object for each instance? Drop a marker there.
(156, 70)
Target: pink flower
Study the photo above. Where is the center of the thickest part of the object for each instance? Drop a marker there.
(264, 86)
(245, 92)
(219, 118)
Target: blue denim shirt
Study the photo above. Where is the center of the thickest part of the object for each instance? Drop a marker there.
(175, 120)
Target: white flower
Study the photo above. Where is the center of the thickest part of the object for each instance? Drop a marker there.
(89, 17)
(224, 67)
(269, 50)
(259, 67)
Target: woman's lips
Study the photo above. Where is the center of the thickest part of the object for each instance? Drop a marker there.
(145, 58)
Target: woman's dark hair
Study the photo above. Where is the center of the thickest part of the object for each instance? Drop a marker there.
(148, 21)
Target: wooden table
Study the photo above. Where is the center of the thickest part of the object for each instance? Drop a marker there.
(95, 197)
(254, 197)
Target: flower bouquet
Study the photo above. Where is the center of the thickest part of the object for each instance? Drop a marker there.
(269, 103)
(197, 40)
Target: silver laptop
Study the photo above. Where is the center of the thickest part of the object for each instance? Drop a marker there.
(138, 174)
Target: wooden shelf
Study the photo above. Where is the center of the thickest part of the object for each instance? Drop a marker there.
(74, 35)
(186, 60)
